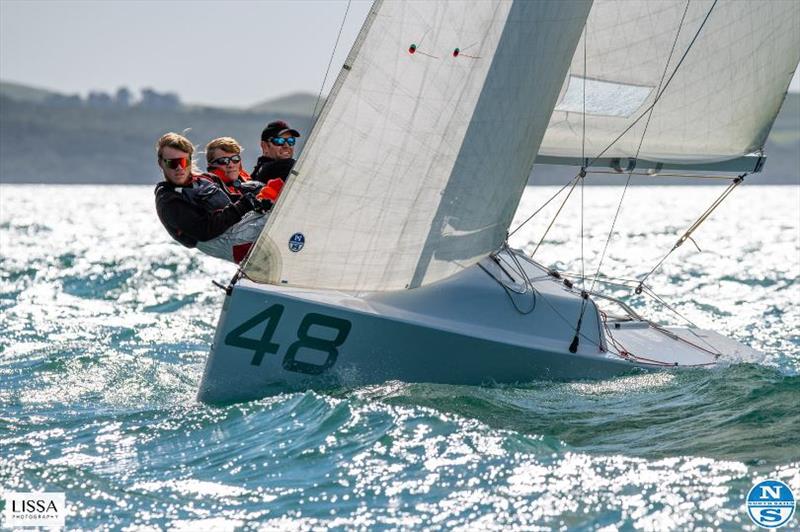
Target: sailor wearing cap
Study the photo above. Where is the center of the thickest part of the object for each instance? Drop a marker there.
(277, 152)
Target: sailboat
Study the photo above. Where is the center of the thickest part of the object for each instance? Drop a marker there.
(387, 256)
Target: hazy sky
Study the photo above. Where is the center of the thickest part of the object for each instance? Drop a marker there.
(227, 53)
(215, 52)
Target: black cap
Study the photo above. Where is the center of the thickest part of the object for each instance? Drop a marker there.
(276, 129)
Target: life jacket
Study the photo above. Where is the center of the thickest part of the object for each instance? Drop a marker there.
(200, 194)
(204, 194)
(268, 168)
(231, 188)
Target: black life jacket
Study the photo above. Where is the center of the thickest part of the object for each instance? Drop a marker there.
(201, 194)
(204, 194)
(230, 189)
(268, 168)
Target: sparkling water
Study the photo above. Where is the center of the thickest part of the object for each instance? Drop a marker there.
(106, 324)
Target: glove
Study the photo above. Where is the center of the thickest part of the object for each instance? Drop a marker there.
(250, 191)
(253, 187)
(261, 205)
(271, 190)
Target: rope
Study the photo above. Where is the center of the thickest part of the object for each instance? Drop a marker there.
(330, 62)
(519, 270)
(688, 234)
(623, 352)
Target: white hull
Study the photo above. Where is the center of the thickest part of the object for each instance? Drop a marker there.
(468, 329)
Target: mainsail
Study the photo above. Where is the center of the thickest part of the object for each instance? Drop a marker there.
(418, 161)
(720, 102)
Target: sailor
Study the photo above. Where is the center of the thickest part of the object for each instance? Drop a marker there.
(277, 152)
(198, 213)
(224, 158)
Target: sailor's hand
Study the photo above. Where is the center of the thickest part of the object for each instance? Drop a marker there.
(263, 205)
(271, 190)
(257, 203)
(253, 187)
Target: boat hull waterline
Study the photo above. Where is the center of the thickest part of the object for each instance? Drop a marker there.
(487, 324)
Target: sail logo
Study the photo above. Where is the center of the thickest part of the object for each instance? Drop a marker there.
(770, 504)
(26, 509)
(297, 242)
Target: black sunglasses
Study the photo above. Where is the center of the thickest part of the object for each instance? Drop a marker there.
(224, 161)
(280, 141)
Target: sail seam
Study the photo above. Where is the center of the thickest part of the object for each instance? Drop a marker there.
(661, 93)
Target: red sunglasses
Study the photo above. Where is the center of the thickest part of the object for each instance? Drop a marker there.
(179, 162)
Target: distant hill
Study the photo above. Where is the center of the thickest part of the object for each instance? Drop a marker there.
(299, 103)
(79, 143)
(112, 145)
(24, 93)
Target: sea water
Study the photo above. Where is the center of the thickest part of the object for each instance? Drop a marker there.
(105, 324)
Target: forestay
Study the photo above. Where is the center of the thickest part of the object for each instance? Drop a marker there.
(721, 102)
(419, 159)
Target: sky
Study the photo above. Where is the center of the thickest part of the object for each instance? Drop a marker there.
(225, 53)
(232, 53)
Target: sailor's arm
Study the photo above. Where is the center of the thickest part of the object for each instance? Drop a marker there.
(192, 222)
(211, 225)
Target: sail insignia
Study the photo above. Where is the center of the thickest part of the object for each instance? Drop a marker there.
(419, 158)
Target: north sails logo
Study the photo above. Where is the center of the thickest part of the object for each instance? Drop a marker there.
(34, 509)
(297, 242)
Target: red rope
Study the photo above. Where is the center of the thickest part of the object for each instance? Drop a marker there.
(624, 353)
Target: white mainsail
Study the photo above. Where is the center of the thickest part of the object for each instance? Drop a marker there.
(721, 102)
(420, 157)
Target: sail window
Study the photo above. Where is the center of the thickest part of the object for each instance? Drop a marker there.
(603, 98)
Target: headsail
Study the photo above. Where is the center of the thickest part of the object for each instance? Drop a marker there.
(417, 164)
(723, 98)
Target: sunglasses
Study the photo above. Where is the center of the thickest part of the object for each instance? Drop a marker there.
(280, 141)
(174, 164)
(225, 161)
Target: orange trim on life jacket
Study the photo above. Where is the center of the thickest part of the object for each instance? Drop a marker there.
(219, 172)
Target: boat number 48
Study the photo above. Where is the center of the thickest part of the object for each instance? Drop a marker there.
(305, 339)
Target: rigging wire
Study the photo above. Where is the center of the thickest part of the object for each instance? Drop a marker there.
(644, 113)
(330, 62)
(663, 90)
(537, 211)
(573, 348)
(688, 234)
(574, 182)
(240, 272)
(583, 148)
(647, 112)
(639, 148)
